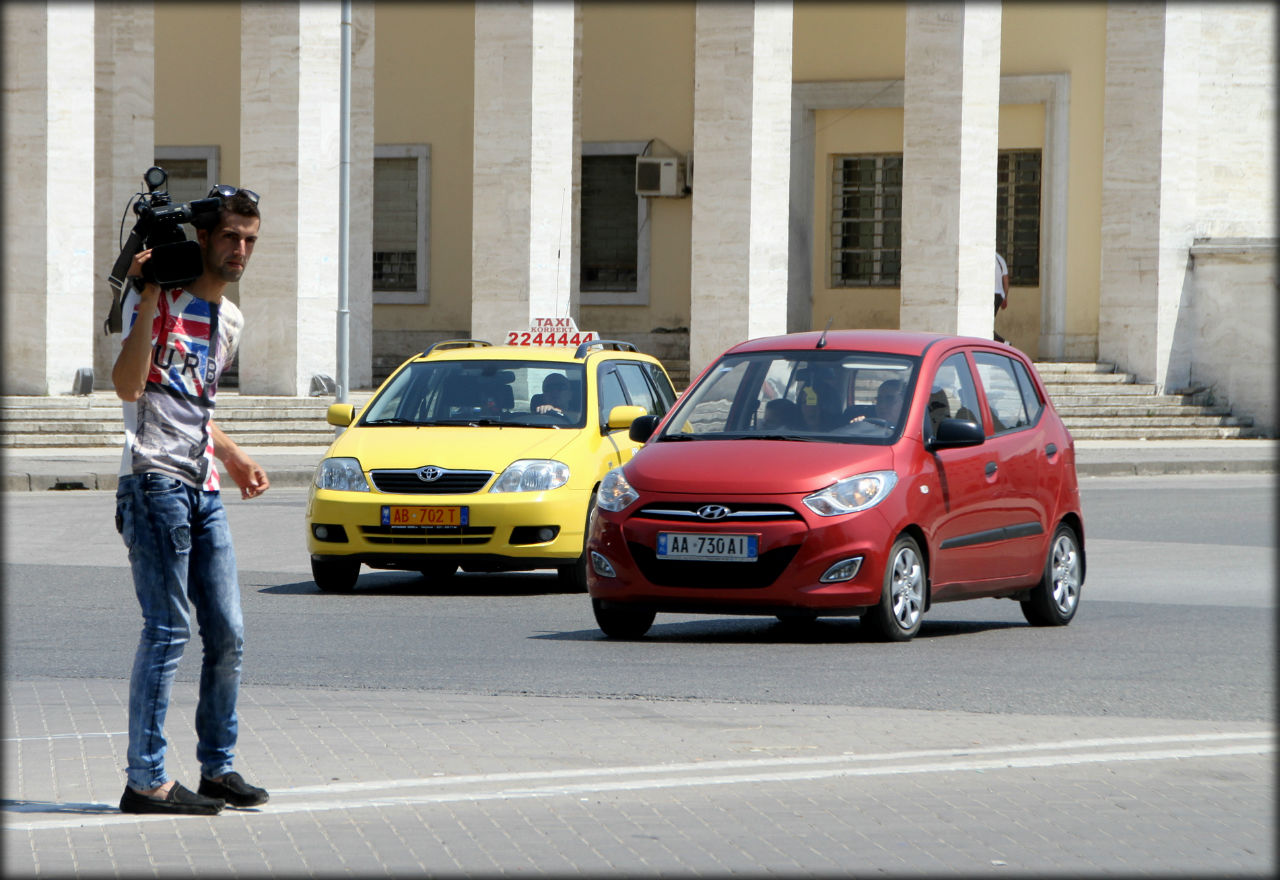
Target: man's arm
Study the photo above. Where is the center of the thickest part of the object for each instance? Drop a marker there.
(133, 364)
(246, 473)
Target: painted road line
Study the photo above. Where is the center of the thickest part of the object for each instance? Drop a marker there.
(490, 787)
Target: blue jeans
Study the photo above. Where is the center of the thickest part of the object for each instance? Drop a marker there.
(180, 551)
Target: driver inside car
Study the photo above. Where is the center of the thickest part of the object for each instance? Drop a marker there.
(888, 404)
(556, 398)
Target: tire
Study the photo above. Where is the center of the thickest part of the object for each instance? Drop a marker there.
(622, 621)
(335, 575)
(1055, 599)
(573, 577)
(900, 611)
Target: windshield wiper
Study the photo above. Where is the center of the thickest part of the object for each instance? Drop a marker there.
(680, 436)
(394, 421)
(801, 437)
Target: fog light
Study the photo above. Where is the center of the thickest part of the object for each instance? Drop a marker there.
(329, 532)
(601, 566)
(546, 534)
(845, 570)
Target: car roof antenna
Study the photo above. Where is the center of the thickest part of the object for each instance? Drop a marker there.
(822, 340)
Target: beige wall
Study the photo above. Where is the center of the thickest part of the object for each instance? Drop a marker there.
(198, 104)
(1071, 38)
(637, 84)
(425, 77)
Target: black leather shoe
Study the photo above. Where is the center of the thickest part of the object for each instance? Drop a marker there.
(234, 790)
(178, 800)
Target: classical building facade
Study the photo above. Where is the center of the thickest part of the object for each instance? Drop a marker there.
(682, 174)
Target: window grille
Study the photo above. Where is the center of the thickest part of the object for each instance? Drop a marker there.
(1018, 214)
(866, 222)
(608, 225)
(395, 223)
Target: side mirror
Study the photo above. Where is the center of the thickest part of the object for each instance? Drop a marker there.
(623, 416)
(340, 415)
(955, 433)
(643, 427)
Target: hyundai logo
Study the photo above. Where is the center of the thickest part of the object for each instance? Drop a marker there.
(713, 511)
(430, 473)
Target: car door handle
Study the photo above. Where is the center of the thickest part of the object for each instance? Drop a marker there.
(991, 468)
(1051, 450)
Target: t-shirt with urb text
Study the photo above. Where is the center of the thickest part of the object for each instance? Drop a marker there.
(166, 430)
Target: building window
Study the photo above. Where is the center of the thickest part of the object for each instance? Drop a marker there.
(1018, 214)
(866, 221)
(608, 223)
(401, 221)
(613, 227)
(192, 171)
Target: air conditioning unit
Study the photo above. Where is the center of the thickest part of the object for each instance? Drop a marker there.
(660, 176)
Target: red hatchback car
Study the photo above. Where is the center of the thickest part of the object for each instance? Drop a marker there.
(855, 472)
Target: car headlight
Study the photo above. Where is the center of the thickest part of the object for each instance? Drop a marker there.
(342, 474)
(852, 494)
(615, 492)
(532, 475)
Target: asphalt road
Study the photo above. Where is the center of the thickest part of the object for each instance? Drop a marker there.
(1176, 620)
(486, 727)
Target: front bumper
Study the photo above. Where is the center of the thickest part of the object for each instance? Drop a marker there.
(793, 555)
(503, 532)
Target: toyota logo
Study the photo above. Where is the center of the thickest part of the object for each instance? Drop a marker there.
(713, 511)
(430, 473)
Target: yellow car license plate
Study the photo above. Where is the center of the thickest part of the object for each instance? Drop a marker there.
(424, 516)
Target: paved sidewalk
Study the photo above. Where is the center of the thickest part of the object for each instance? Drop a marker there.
(56, 468)
(384, 781)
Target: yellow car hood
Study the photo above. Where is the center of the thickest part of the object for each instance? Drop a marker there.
(460, 447)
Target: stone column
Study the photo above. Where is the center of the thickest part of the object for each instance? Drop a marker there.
(742, 146)
(360, 256)
(50, 272)
(289, 144)
(951, 121)
(125, 149)
(1148, 188)
(526, 167)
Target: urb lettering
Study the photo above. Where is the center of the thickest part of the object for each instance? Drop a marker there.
(163, 358)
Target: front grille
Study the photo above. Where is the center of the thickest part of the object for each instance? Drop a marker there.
(407, 482)
(687, 511)
(712, 575)
(428, 535)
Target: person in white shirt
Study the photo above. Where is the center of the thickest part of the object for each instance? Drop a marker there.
(1002, 289)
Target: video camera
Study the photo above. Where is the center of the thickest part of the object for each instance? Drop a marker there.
(175, 260)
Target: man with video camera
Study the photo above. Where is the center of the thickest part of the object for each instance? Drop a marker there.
(178, 340)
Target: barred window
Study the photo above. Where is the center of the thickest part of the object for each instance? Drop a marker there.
(401, 222)
(1018, 214)
(866, 221)
(608, 226)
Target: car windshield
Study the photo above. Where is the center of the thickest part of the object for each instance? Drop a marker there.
(538, 394)
(837, 396)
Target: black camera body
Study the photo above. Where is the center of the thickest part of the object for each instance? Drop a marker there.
(175, 259)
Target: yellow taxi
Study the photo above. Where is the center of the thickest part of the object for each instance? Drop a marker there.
(479, 456)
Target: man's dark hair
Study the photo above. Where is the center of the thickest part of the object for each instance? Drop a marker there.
(238, 204)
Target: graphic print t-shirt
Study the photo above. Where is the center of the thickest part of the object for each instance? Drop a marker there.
(167, 428)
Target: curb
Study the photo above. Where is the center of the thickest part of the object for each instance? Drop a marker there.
(294, 476)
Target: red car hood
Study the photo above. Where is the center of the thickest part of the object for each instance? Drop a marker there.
(750, 467)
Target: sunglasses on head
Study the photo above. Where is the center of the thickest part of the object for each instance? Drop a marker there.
(226, 191)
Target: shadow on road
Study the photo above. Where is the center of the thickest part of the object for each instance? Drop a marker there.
(410, 583)
(764, 630)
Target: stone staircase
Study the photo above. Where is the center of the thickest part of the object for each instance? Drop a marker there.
(1096, 402)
